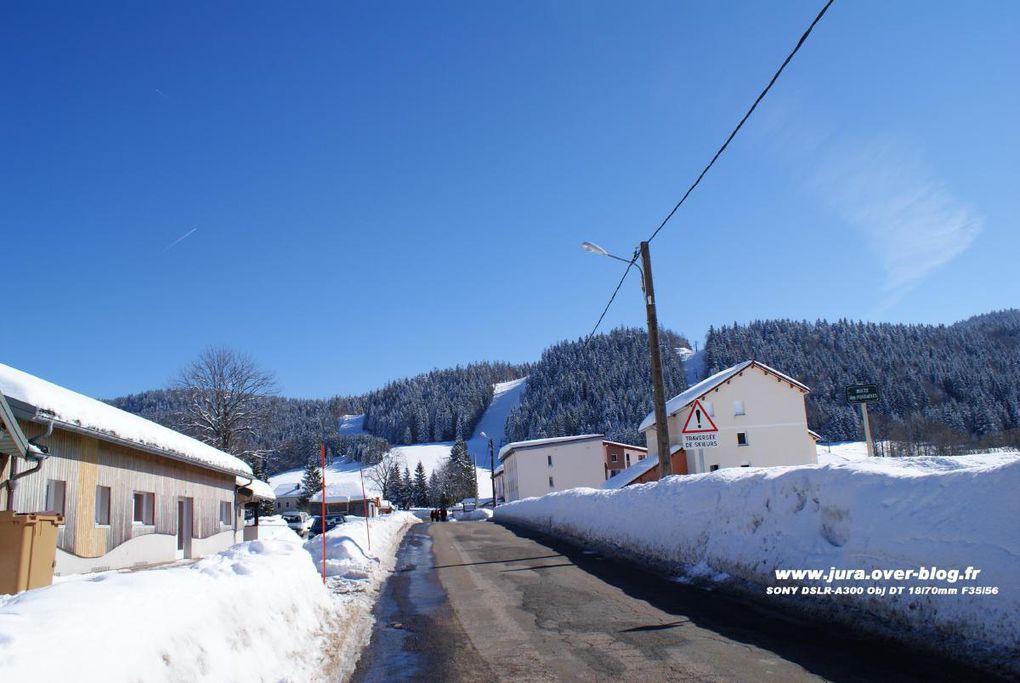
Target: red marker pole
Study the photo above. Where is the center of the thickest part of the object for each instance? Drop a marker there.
(368, 534)
(323, 454)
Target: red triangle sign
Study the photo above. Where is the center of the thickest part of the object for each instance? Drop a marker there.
(702, 421)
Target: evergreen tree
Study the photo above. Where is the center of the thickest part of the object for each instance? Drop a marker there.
(420, 486)
(460, 472)
(311, 483)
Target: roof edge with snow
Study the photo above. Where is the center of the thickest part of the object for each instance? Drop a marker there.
(537, 443)
(699, 390)
(37, 400)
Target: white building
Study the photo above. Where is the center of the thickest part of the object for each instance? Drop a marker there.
(760, 416)
(541, 466)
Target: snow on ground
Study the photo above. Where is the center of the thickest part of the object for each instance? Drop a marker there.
(506, 396)
(741, 524)
(841, 452)
(694, 365)
(477, 515)
(351, 425)
(342, 478)
(257, 611)
(358, 560)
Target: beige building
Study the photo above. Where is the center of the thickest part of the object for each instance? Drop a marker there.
(760, 416)
(541, 466)
(131, 492)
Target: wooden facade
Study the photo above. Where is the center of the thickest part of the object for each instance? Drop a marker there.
(84, 462)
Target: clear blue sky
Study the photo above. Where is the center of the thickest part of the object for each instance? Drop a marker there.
(375, 191)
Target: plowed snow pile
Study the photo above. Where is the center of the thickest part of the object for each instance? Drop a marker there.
(739, 525)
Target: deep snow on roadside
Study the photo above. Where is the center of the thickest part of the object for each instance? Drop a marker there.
(358, 561)
(257, 611)
(739, 525)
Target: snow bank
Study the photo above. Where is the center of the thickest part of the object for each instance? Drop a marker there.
(478, 515)
(255, 612)
(76, 410)
(348, 556)
(741, 524)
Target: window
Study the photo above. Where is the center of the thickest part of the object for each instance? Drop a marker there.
(550, 482)
(738, 408)
(709, 408)
(103, 505)
(549, 458)
(713, 468)
(612, 458)
(741, 438)
(144, 504)
(641, 456)
(746, 464)
(226, 513)
(55, 490)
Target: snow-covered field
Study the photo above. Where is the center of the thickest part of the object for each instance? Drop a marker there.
(343, 478)
(255, 612)
(736, 526)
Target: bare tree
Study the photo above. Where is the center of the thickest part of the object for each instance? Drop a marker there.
(226, 406)
(383, 474)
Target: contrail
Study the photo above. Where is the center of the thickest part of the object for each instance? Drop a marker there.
(163, 95)
(180, 239)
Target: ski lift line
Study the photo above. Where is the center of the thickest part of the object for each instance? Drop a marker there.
(740, 125)
(704, 171)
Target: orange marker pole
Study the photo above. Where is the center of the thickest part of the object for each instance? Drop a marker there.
(323, 453)
(368, 534)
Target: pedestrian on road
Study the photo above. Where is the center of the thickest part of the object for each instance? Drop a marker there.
(432, 514)
(442, 514)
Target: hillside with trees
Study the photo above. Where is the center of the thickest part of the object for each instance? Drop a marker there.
(943, 387)
(441, 405)
(600, 387)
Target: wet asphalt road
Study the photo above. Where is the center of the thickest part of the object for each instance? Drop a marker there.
(479, 602)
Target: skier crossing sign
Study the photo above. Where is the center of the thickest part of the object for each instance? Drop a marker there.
(699, 431)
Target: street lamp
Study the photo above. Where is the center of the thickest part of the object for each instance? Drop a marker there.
(492, 467)
(658, 388)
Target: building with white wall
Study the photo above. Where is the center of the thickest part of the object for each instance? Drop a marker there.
(760, 416)
(541, 466)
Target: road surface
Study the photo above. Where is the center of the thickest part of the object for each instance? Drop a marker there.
(474, 601)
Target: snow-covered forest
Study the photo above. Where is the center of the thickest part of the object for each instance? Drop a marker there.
(603, 386)
(947, 386)
(441, 405)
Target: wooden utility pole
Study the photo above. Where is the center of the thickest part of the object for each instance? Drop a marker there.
(658, 389)
(867, 430)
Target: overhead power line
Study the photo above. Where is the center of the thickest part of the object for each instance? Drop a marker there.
(740, 125)
(715, 157)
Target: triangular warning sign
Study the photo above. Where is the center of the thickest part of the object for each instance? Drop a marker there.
(699, 421)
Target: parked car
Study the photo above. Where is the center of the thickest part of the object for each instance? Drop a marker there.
(300, 522)
(331, 522)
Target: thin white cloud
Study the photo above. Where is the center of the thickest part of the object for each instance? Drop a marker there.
(180, 239)
(909, 219)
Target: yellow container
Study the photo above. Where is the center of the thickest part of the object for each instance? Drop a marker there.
(28, 548)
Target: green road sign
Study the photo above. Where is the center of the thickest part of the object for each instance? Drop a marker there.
(862, 393)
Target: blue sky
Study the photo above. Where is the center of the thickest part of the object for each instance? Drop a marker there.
(371, 192)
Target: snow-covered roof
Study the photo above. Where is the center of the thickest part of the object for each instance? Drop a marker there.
(681, 401)
(344, 490)
(261, 489)
(287, 489)
(532, 443)
(618, 481)
(76, 412)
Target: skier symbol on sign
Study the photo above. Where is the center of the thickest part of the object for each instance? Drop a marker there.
(699, 431)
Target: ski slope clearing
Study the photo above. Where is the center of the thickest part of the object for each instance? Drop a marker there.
(506, 396)
(736, 526)
(343, 477)
(255, 612)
